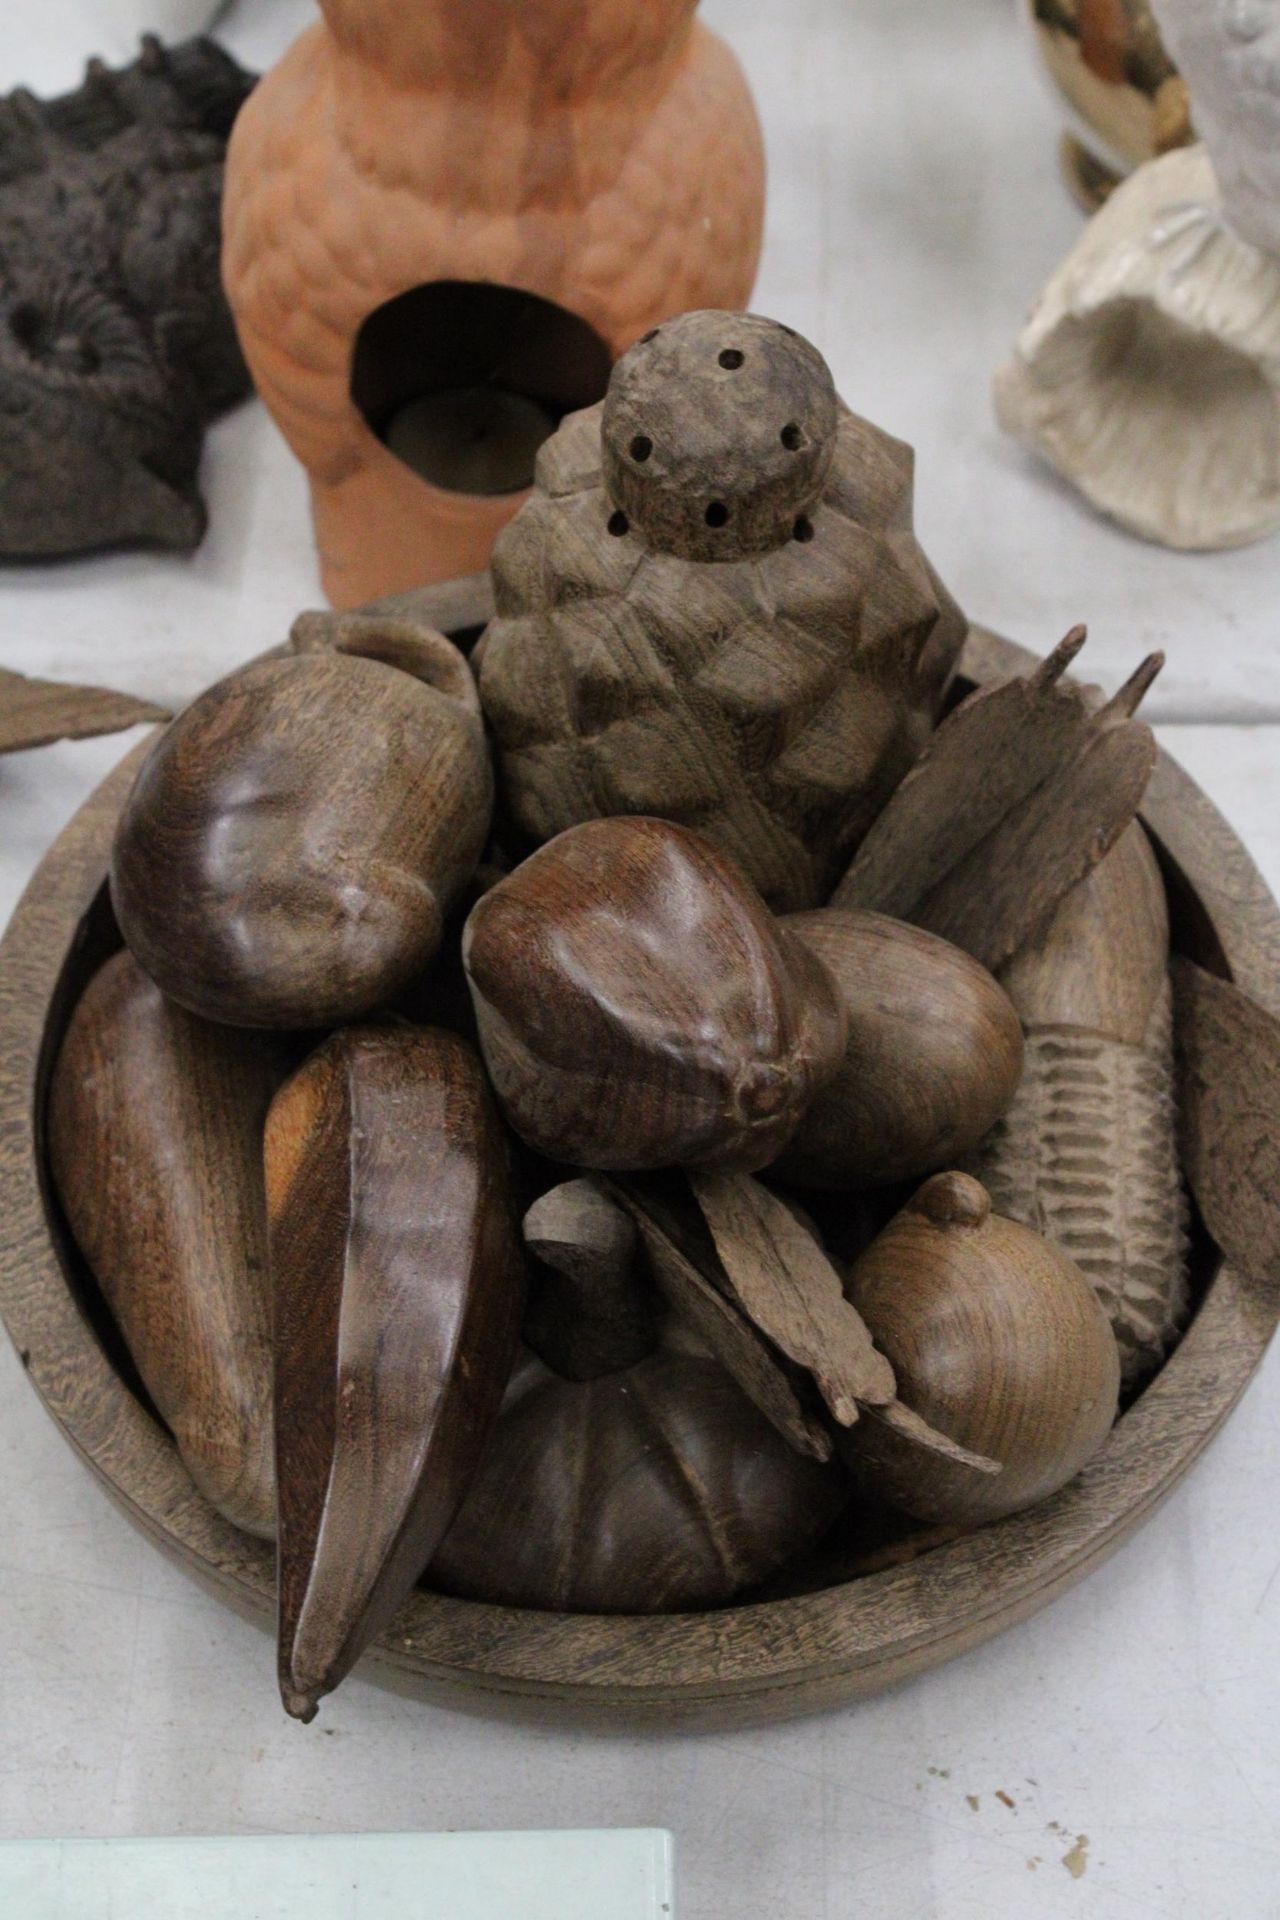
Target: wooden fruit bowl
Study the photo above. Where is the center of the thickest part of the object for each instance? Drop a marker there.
(760, 1661)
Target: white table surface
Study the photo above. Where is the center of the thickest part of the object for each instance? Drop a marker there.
(915, 209)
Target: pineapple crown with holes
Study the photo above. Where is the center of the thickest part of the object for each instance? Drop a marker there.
(718, 437)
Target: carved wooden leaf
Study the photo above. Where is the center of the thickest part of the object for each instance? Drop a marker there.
(915, 1429)
(1229, 1115)
(758, 1370)
(1016, 798)
(35, 713)
(786, 1285)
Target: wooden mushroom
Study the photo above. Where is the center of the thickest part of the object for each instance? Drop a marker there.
(591, 1311)
(714, 610)
(293, 842)
(997, 1339)
(444, 221)
(1087, 1153)
(639, 1007)
(155, 1141)
(398, 1285)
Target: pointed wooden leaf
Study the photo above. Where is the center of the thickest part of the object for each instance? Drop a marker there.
(759, 1370)
(1229, 1115)
(35, 713)
(789, 1289)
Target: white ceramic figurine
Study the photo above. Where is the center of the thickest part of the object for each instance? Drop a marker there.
(1149, 372)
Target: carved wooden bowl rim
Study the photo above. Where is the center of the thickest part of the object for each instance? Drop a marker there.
(732, 1666)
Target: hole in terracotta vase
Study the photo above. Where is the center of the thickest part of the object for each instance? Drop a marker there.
(463, 381)
(791, 437)
(717, 514)
(803, 529)
(619, 524)
(731, 359)
(641, 448)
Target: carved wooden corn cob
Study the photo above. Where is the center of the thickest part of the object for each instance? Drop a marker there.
(1087, 1154)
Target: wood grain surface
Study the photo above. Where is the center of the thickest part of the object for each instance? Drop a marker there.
(747, 1664)
(1229, 1115)
(296, 837)
(932, 1061)
(155, 1144)
(655, 1489)
(1019, 793)
(35, 713)
(591, 1309)
(639, 1006)
(1087, 1153)
(997, 1339)
(398, 1288)
(714, 609)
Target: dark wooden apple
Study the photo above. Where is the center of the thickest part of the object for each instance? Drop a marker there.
(639, 1006)
(656, 1489)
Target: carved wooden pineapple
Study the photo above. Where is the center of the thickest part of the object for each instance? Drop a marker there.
(714, 609)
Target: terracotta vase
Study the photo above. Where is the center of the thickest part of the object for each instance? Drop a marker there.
(445, 219)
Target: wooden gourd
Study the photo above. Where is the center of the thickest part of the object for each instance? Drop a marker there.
(997, 1339)
(657, 1489)
(933, 1058)
(603, 161)
(591, 1310)
(155, 1141)
(398, 1285)
(639, 1007)
(293, 842)
(1087, 1153)
(713, 609)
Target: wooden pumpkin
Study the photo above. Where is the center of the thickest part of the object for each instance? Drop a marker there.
(652, 1490)
(444, 220)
